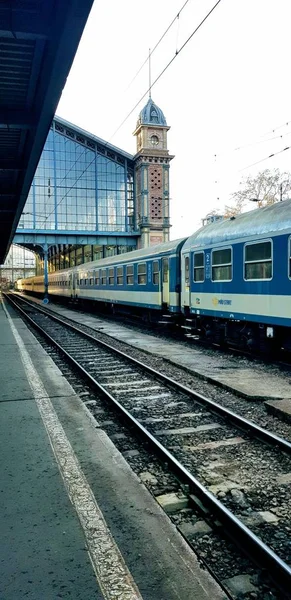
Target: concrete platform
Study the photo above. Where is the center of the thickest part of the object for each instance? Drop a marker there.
(75, 520)
(226, 371)
(280, 408)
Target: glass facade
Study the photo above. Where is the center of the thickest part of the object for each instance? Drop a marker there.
(20, 263)
(79, 186)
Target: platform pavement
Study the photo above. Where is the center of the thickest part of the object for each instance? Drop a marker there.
(248, 381)
(44, 545)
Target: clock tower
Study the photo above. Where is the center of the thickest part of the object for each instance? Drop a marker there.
(152, 162)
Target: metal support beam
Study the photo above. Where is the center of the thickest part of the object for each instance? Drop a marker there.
(45, 259)
(16, 119)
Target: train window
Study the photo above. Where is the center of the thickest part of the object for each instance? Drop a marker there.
(119, 275)
(156, 272)
(221, 265)
(198, 266)
(142, 273)
(129, 274)
(187, 274)
(91, 281)
(97, 279)
(258, 261)
(111, 276)
(165, 270)
(85, 281)
(103, 276)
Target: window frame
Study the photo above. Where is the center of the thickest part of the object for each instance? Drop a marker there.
(131, 275)
(103, 277)
(256, 243)
(118, 276)
(156, 273)
(111, 276)
(142, 264)
(203, 267)
(222, 264)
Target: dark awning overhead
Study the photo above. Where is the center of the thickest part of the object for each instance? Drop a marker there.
(38, 42)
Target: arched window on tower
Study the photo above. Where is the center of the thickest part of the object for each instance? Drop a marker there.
(154, 116)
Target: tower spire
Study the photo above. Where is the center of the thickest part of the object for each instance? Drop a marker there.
(150, 76)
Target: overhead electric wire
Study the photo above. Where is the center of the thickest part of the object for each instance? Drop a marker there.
(276, 137)
(157, 44)
(54, 209)
(251, 144)
(275, 128)
(165, 68)
(266, 158)
(147, 91)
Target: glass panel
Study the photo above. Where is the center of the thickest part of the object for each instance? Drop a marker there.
(119, 275)
(259, 251)
(198, 266)
(199, 274)
(165, 269)
(69, 179)
(156, 272)
(129, 274)
(261, 270)
(258, 261)
(199, 259)
(222, 273)
(141, 270)
(111, 276)
(221, 257)
(103, 276)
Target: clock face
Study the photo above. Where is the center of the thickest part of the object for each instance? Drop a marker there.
(154, 140)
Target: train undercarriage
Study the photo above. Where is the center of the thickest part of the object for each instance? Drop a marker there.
(245, 335)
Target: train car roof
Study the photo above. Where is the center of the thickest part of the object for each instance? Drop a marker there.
(262, 221)
(149, 252)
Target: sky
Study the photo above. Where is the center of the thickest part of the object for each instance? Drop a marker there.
(226, 95)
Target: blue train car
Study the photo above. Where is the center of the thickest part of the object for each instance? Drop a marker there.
(236, 277)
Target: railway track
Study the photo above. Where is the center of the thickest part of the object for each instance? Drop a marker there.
(201, 441)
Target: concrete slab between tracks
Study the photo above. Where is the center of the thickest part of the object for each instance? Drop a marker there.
(226, 371)
(49, 443)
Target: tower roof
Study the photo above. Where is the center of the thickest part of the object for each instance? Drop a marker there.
(151, 114)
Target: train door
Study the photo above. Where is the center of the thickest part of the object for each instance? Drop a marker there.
(73, 285)
(186, 290)
(165, 282)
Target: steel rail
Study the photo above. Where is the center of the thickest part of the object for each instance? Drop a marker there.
(241, 422)
(241, 535)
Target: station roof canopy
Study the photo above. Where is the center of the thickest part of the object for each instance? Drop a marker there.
(38, 42)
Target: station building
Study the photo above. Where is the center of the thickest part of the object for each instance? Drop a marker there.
(90, 199)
